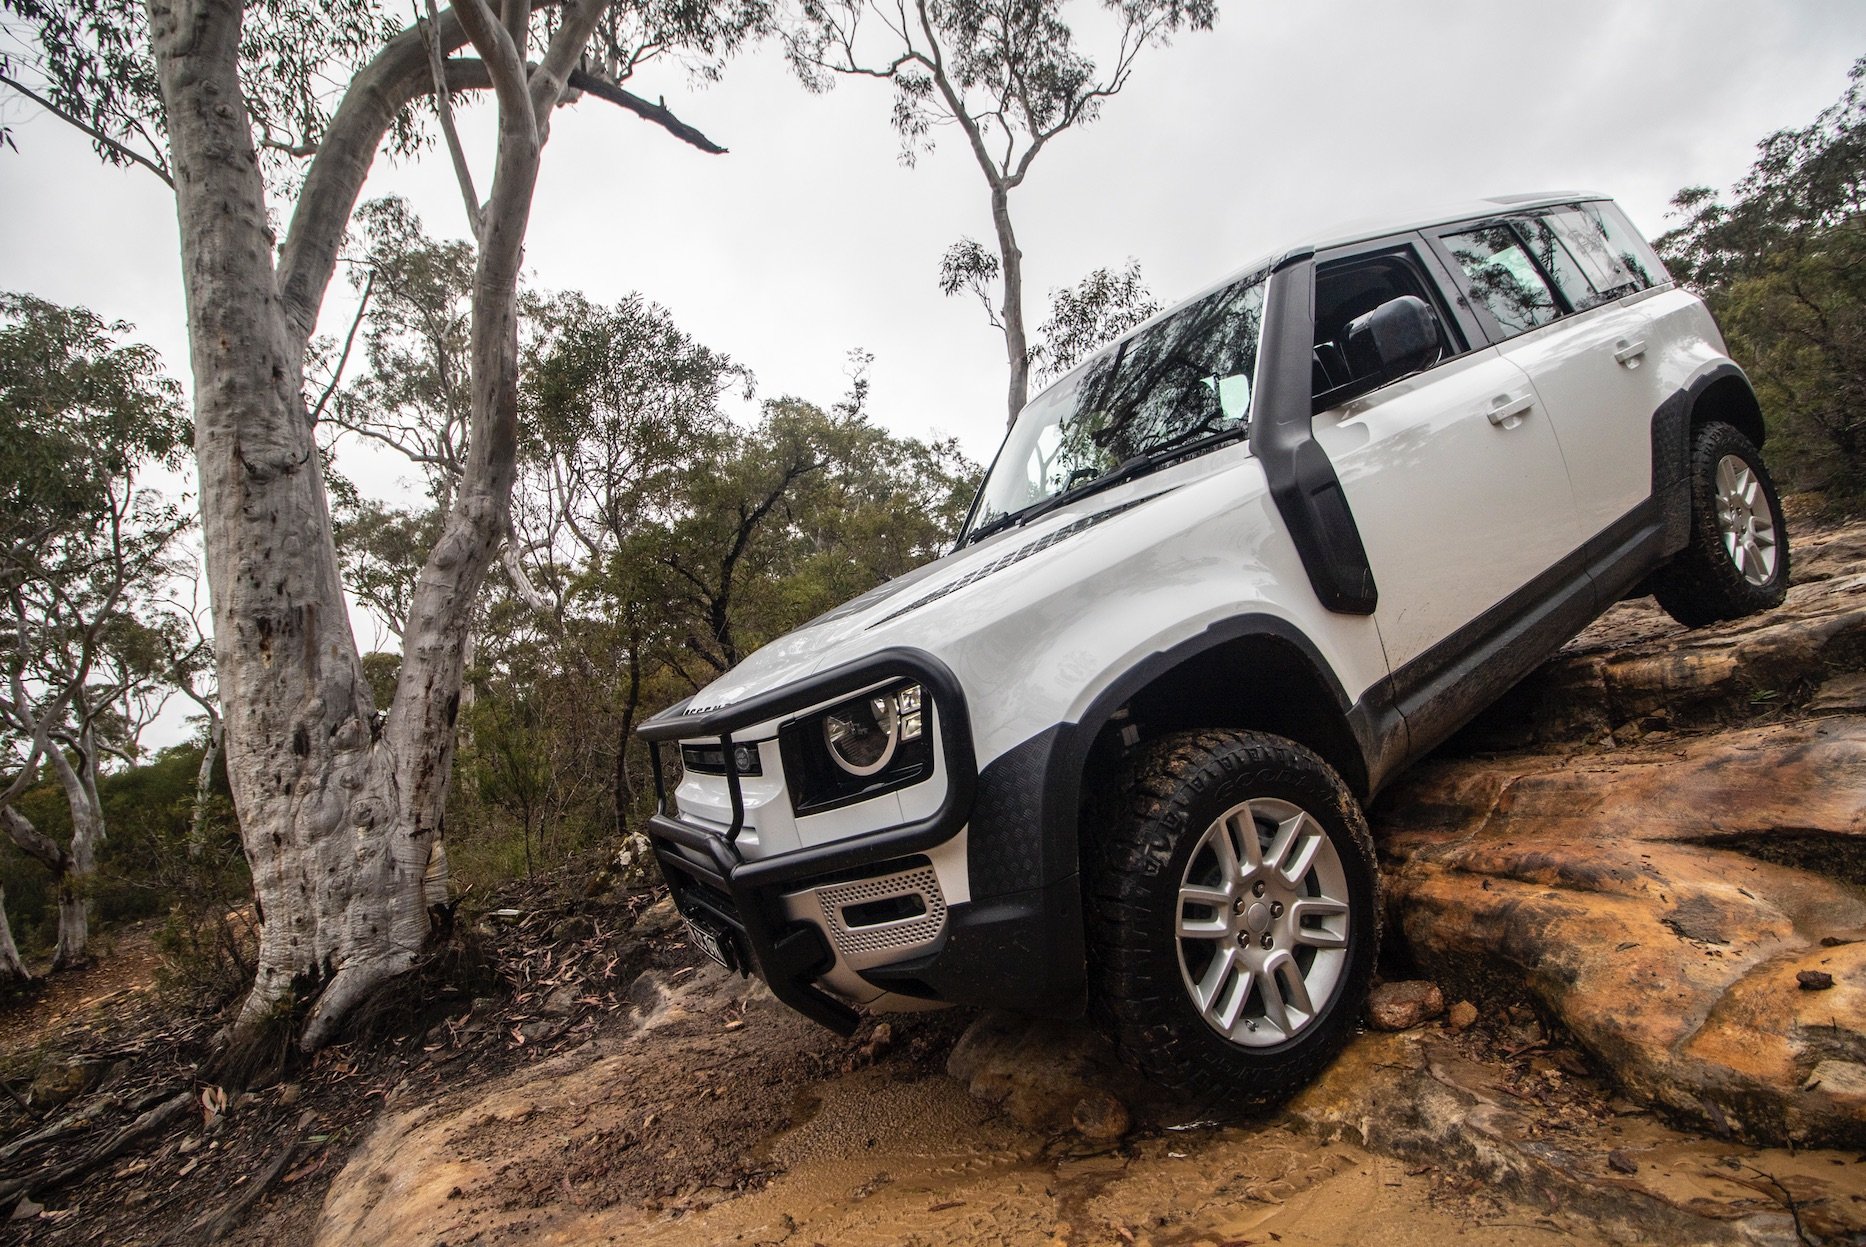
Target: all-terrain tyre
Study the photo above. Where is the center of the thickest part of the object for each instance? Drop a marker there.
(1736, 561)
(1230, 975)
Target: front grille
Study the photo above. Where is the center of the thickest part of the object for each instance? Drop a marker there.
(885, 935)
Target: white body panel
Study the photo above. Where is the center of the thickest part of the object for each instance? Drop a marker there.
(1456, 510)
(1034, 643)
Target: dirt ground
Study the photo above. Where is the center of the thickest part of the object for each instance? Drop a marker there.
(568, 1070)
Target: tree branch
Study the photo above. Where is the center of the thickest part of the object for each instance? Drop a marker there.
(443, 105)
(349, 340)
(657, 113)
(72, 119)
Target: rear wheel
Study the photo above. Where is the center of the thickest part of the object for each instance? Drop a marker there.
(1233, 914)
(1736, 561)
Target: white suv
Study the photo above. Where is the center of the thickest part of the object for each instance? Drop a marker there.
(1223, 580)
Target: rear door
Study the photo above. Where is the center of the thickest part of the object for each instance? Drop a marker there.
(1454, 474)
(1554, 295)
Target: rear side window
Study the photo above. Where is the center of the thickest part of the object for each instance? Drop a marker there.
(1558, 262)
(1625, 243)
(1504, 278)
(1607, 274)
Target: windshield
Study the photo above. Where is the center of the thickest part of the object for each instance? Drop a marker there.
(1181, 380)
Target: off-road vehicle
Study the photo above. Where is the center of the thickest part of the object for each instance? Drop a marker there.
(1223, 580)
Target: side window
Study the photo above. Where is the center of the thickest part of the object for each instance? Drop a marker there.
(1346, 289)
(1504, 278)
(1607, 275)
(1626, 245)
(1547, 243)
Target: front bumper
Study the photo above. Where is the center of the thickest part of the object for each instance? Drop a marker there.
(710, 879)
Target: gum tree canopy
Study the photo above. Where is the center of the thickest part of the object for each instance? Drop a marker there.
(340, 800)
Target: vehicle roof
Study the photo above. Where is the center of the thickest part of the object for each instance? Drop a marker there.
(1397, 222)
(1355, 230)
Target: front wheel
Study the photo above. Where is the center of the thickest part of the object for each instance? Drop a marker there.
(1736, 561)
(1234, 919)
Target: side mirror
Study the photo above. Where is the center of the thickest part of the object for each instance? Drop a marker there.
(1399, 337)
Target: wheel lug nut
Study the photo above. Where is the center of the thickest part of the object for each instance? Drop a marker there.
(1268, 942)
(1244, 938)
(1276, 909)
(1256, 889)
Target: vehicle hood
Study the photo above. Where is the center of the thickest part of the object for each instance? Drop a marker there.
(847, 632)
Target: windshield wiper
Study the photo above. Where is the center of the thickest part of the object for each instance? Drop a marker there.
(1141, 464)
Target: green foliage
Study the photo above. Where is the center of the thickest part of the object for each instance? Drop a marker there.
(1782, 262)
(78, 414)
(1088, 315)
(92, 59)
(144, 868)
(1012, 66)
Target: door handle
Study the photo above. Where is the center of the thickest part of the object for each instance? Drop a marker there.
(1628, 351)
(1507, 411)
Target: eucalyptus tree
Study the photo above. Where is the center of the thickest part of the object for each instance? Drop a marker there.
(340, 807)
(1010, 76)
(87, 549)
(1782, 261)
(1083, 317)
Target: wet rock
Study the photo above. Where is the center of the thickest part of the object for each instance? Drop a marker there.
(1038, 1071)
(1462, 1016)
(1101, 1118)
(1404, 1005)
(1412, 1095)
(1618, 893)
(1690, 908)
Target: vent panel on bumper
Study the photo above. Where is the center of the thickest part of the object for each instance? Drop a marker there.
(854, 940)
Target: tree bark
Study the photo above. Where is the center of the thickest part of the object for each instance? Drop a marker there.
(12, 969)
(340, 811)
(1011, 310)
(78, 862)
(204, 783)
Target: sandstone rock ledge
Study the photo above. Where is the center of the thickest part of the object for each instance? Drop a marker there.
(1685, 846)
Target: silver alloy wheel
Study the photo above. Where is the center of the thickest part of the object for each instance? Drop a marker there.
(1262, 922)
(1744, 516)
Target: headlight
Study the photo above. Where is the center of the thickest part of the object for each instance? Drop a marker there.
(859, 748)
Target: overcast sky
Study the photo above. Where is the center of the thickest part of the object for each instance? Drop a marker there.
(811, 238)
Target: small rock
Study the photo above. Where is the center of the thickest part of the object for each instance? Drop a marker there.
(1835, 941)
(1620, 1162)
(562, 1002)
(538, 1031)
(289, 1094)
(1462, 1017)
(573, 930)
(1402, 1006)
(26, 1209)
(60, 1081)
(1101, 1118)
(646, 992)
(879, 1041)
(1814, 980)
(659, 919)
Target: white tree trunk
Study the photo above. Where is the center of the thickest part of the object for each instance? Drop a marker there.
(204, 784)
(80, 859)
(12, 969)
(340, 811)
(1011, 310)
